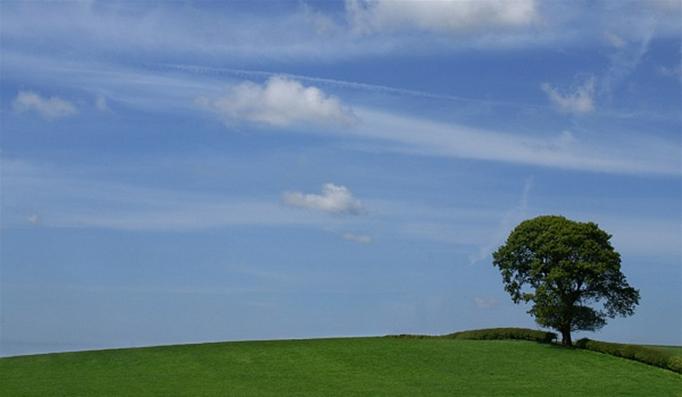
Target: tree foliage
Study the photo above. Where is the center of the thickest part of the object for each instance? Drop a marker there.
(569, 272)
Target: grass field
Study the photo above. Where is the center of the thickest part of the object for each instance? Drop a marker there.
(337, 367)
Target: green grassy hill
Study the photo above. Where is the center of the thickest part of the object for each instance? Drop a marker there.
(337, 367)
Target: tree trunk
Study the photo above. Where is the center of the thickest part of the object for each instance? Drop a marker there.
(566, 337)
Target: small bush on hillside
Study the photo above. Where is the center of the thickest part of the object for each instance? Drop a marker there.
(410, 336)
(505, 333)
(643, 354)
(675, 363)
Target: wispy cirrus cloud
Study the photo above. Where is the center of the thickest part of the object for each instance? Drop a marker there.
(92, 202)
(634, 154)
(486, 303)
(577, 100)
(33, 219)
(280, 101)
(614, 40)
(357, 238)
(627, 57)
(50, 108)
(53, 197)
(334, 199)
(671, 71)
(101, 103)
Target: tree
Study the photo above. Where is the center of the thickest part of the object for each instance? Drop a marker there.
(563, 267)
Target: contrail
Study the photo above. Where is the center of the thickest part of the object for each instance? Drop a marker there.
(343, 84)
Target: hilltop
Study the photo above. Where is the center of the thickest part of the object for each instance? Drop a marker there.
(337, 367)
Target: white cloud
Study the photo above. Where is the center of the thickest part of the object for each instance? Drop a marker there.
(280, 101)
(101, 103)
(440, 16)
(334, 199)
(673, 71)
(357, 238)
(227, 34)
(49, 108)
(614, 40)
(565, 140)
(33, 219)
(579, 100)
(486, 303)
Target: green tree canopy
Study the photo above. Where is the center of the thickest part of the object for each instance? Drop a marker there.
(568, 270)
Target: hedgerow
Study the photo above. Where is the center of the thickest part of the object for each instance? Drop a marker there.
(505, 333)
(491, 334)
(647, 355)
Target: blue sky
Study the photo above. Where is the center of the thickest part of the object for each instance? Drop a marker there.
(185, 172)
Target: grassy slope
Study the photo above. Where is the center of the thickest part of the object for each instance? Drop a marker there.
(337, 367)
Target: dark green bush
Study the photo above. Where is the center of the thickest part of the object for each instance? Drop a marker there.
(659, 358)
(411, 336)
(490, 334)
(675, 363)
(505, 333)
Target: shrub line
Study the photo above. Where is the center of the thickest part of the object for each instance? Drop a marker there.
(491, 334)
(647, 355)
